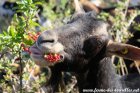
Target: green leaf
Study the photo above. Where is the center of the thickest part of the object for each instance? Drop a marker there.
(63, 3)
(12, 31)
(38, 3)
(5, 33)
(32, 23)
(29, 1)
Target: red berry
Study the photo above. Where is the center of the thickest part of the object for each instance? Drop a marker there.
(52, 57)
(22, 45)
(58, 57)
(38, 33)
(25, 49)
(18, 58)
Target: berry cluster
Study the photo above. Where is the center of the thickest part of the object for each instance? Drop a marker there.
(26, 49)
(52, 57)
(33, 36)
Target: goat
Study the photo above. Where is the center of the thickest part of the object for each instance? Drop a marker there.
(85, 47)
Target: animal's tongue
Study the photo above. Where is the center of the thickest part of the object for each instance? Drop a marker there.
(52, 57)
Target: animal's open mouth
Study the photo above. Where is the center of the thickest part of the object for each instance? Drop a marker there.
(37, 53)
(54, 57)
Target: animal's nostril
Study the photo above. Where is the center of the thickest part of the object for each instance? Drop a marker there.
(61, 57)
(47, 41)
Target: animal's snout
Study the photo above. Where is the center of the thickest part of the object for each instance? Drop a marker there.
(48, 42)
(47, 37)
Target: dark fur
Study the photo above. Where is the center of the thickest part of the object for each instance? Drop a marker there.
(85, 41)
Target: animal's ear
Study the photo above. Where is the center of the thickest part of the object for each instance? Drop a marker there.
(78, 8)
(123, 50)
(79, 11)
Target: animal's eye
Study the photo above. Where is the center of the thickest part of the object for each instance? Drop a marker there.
(124, 51)
(47, 41)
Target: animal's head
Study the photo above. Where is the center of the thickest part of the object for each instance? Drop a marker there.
(81, 39)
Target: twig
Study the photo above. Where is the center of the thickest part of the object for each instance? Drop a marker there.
(21, 67)
(137, 66)
(131, 20)
(14, 89)
(126, 70)
(121, 64)
(126, 9)
(27, 82)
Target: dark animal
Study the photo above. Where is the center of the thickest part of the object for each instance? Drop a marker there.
(86, 50)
